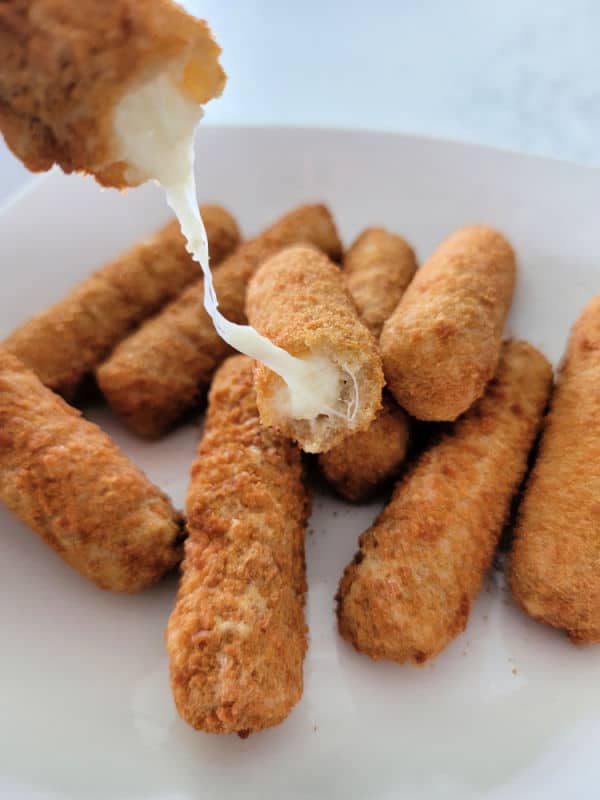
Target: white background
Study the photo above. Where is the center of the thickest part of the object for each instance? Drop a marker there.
(519, 74)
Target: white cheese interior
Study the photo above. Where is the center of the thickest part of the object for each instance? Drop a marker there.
(154, 126)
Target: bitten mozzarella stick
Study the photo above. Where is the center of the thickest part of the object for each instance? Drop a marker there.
(65, 342)
(411, 586)
(298, 301)
(363, 461)
(441, 345)
(378, 267)
(554, 564)
(164, 368)
(71, 484)
(237, 637)
(72, 71)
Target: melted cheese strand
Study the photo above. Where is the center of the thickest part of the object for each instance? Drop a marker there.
(304, 377)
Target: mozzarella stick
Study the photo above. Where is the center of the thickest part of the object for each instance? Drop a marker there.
(298, 301)
(441, 345)
(69, 482)
(68, 68)
(411, 586)
(68, 340)
(164, 368)
(553, 567)
(364, 461)
(237, 637)
(378, 267)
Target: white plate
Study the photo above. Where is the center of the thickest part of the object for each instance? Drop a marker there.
(511, 709)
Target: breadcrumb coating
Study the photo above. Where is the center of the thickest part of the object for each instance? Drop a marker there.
(69, 339)
(364, 461)
(553, 567)
(378, 268)
(411, 586)
(66, 65)
(237, 637)
(441, 345)
(69, 482)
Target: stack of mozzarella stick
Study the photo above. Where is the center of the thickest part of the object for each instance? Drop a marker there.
(237, 636)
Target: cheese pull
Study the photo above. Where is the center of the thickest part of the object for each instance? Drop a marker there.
(155, 125)
(127, 113)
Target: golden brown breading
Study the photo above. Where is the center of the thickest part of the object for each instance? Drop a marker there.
(237, 637)
(297, 299)
(66, 64)
(72, 485)
(420, 566)
(72, 337)
(362, 462)
(441, 345)
(553, 567)
(165, 367)
(378, 267)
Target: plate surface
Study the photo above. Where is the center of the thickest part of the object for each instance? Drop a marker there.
(511, 709)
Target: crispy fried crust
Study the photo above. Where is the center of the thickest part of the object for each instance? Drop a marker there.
(66, 64)
(297, 300)
(71, 338)
(420, 566)
(237, 637)
(165, 367)
(378, 267)
(364, 461)
(553, 569)
(71, 484)
(441, 345)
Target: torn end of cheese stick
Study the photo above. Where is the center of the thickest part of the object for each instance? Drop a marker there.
(69, 482)
(553, 569)
(441, 345)
(298, 301)
(237, 637)
(68, 340)
(364, 461)
(412, 584)
(164, 368)
(78, 77)
(378, 267)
